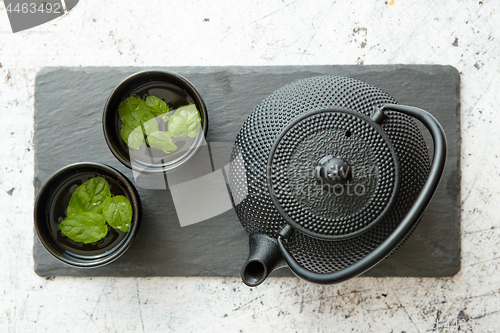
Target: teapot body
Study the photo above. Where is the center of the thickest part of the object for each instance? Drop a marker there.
(325, 232)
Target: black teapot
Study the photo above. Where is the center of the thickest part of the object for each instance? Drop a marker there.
(329, 175)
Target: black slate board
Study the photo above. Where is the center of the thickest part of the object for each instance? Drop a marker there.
(68, 112)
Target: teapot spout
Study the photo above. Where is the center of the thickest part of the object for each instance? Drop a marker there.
(264, 257)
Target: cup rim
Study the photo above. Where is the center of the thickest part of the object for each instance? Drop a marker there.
(43, 198)
(199, 141)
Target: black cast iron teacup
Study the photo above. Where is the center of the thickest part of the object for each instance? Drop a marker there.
(176, 92)
(51, 209)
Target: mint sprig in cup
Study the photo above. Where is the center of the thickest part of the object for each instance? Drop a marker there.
(141, 119)
(91, 209)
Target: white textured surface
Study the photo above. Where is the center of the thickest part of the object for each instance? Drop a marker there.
(168, 33)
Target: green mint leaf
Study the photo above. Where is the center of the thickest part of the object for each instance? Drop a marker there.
(138, 119)
(156, 105)
(133, 137)
(144, 112)
(186, 121)
(177, 127)
(150, 126)
(118, 212)
(161, 140)
(133, 111)
(86, 227)
(193, 129)
(88, 196)
(126, 111)
(134, 100)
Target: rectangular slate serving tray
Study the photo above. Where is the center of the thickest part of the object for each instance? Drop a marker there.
(68, 111)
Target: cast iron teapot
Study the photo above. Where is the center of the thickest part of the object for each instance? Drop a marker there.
(329, 175)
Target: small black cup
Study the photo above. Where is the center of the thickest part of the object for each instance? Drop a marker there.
(177, 91)
(50, 208)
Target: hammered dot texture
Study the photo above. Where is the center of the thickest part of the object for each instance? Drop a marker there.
(333, 211)
(248, 170)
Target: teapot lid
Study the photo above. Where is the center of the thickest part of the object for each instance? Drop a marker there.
(333, 173)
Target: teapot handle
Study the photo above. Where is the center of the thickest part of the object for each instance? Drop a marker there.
(406, 224)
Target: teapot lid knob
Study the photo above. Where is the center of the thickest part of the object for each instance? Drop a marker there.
(333, 171)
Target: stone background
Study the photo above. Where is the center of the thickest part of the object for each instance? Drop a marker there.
(191, 33)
